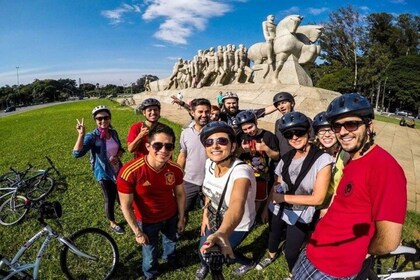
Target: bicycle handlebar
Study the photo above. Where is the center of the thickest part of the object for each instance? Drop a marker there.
(53, 166)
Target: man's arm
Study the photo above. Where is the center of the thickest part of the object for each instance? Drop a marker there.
(132, 146)
(126, 201)
(180, 202)
(270, 109)
(182, 158)
(386, 239)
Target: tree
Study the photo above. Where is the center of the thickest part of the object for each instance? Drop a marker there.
(139, 85)
(340, 41)
(404, 83)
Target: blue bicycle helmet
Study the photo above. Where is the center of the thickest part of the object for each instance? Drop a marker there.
(294, 120)
(149, 102)
(214, 127)
(320, 120)
(350, 104)
(245, 117)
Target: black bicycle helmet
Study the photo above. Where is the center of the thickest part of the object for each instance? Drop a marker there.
(148, 103)
(100, 108)
(294, 120)
(320, 120)
(214, 127)
(281, 96)
(229, 94)
(350, 104)
(245, 117)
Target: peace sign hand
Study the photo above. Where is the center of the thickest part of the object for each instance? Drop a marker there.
(80, 126)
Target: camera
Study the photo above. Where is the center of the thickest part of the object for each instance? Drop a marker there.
(215, 259)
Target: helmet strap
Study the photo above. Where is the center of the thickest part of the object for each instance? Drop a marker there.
(369, 141)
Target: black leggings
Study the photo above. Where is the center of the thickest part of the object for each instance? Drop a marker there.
(295, 237)
(109, 190)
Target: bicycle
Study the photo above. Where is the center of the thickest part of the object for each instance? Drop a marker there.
(389, 267)
(89, 253)
(38, 186)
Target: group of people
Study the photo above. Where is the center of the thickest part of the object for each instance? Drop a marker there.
(322, 185)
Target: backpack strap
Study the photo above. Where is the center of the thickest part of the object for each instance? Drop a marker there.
(313, 155)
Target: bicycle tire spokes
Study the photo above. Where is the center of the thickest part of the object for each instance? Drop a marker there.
(95, 243)
(13, 210)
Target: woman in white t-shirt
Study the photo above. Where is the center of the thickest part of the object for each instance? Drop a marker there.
(105, 150)
(303, 176)
(229, 188)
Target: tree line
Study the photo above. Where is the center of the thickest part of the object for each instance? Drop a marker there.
(376, 55)
(49, 90)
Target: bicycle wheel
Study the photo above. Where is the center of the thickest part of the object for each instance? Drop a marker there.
(13, 210)
(39, 187)
(93, 242)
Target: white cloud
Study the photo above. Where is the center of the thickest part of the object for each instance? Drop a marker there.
(317, 11)
(182, 17)
(398, 2)
(364, 8)
(291, 11)
(159, 46)
(117, 15)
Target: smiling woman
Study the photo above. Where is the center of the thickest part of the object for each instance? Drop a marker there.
(106, 151)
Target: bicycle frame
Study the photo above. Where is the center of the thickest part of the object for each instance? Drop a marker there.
(20, 269)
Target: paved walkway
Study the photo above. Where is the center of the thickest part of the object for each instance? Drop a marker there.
(402, 142)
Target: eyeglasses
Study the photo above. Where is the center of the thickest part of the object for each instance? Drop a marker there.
(350, 126)
(323, 131)
(99, 119)
(157, 146)
(289, 134)
(223, 141)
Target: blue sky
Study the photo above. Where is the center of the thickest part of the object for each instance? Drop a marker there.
(119, 41)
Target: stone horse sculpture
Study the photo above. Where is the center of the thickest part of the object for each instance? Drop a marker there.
(291, 39)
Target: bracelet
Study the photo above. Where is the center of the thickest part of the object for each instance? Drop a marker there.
(182, 103)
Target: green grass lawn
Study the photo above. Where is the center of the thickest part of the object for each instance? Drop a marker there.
(29, 136)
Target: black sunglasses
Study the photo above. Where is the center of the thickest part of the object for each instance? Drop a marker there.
(219, 141)
(106, 118)
(350, 126)
(289, 134)
(157, 146)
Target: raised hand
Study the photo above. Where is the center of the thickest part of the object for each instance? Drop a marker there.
(80, 126)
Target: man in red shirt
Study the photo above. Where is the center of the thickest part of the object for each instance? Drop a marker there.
(368, 210)
(152, 198)
(137, 136)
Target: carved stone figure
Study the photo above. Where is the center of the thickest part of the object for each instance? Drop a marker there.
(211, 66)
(242, 65)
(173, 79)
(269, 31)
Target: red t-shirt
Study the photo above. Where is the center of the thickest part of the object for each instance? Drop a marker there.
(132, 134)
(373, 188)
(154, 199)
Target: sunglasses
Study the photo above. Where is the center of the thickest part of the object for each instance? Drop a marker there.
(157, 146)
(323, 131)
(106, 118)
(289, 134)
(350, 126)
(223, 141)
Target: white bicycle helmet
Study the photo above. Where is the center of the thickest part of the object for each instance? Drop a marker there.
(100, 108)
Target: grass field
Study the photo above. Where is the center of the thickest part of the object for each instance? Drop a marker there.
(29, 136)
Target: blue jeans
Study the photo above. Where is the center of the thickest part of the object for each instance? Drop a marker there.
(168, 229)
(235, 240)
